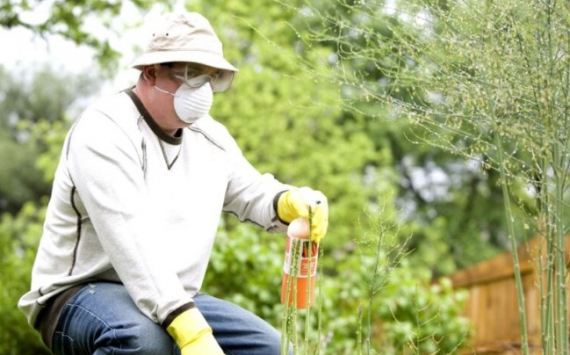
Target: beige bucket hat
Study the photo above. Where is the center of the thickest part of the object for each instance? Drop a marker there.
(185, 37)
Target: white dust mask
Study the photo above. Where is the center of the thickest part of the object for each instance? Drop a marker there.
(191, 103)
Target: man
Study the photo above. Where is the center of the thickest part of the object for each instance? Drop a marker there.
(142, 180)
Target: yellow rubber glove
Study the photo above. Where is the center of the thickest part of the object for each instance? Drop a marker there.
(296, 203)
(193, 334)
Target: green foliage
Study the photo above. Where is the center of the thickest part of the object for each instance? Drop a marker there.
(403, 71)
(422, 317)
(486, 82)
(20, 180)
(41, 94)
(28, 107)
(52, 136)
(19, 237)
(245, 268)
(286, 122)
(406, 309)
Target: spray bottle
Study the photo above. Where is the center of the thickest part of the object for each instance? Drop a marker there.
(299, 276)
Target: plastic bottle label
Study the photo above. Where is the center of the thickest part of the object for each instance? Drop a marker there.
(303, 261)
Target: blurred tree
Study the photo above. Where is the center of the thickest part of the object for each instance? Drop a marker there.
(490, 87)
(44, 96)
(378, 64)
(286, 122)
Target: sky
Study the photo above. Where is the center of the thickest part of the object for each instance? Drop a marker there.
(23, 51)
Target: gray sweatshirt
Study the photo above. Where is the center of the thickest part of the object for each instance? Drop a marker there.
(131, 204)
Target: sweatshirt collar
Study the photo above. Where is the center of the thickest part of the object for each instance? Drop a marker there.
(152, 123)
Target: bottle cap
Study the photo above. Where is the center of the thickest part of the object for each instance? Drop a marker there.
(299, 228)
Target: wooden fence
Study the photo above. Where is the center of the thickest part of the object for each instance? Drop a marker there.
(492, 303)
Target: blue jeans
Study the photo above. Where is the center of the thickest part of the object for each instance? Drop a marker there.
(102, 319)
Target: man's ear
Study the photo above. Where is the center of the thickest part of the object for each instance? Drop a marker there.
(149, 74)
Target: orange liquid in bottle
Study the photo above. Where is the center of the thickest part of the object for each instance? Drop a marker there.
(298, 237)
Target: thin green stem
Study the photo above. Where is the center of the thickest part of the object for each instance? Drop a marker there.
(548, 312)
(359, 332)
(512, 237)
(309, 294)
(546, 266)
(289, 321)
(560, 260)
(320, 305)
(372, 290)
(285, 322)
(297, 246)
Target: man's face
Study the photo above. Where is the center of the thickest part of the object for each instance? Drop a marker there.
(166, 80)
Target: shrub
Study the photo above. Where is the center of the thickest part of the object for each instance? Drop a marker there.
(408, 311)
(19, 237)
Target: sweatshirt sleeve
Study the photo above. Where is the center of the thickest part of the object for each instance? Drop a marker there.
(251, 195)
(105, 166)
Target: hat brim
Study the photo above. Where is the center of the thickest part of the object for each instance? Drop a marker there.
(210, 59)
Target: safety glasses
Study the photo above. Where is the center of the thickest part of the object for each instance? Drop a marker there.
(195, 77)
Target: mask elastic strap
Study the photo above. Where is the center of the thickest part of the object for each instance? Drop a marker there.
(164, 91)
